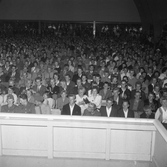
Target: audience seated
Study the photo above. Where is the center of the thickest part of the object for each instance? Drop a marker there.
(48, 68)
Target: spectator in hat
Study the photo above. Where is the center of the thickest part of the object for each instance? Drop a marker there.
(40, 107)
(10, 107)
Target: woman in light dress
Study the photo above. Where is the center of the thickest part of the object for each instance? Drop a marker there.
(81, 99)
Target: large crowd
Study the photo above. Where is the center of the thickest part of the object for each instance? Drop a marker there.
(118, 74)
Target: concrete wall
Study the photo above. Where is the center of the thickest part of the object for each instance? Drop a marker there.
(70, 10)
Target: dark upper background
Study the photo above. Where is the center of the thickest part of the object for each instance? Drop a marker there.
(146, 12)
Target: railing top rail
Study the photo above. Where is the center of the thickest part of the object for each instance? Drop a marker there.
(74, 118)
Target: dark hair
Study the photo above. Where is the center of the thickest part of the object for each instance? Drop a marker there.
(11, 87)
(48, 94)
(38, 78)
(125, 101)
(23, 96)
(56, 74)
(110, 99)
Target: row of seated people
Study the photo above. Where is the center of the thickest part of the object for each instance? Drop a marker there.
(111, 109)
(136, 104)
(53, 97)
(136, 97)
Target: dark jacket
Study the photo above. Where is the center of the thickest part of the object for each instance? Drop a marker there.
(114, 111)
(130, 113)
(66, 110)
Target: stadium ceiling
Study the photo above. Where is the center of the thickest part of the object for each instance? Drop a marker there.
(152, 10)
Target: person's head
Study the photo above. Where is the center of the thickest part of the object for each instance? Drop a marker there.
(151, 96)
(97, 78)
(63, 94)
(141, 69)
(29, 92)
(94, 91)
(156, 74)
(38, 81)
(156, 87)
(123, 84)
(63, 83)
(165, 85)
(10, 90)
(91, 68)
(114, 79)
(154, 80)
(125, 78)
(138, 86)
(52, 81)
(150, 70)
(67, 78)
(11, 82)
(10, 99)
(81, 91)
(106, 85)
(23, 99)
(71, 99)
(28, 83)
(79, 70)
(125, 105)
(116, 92)
(106, 73)
(38, 99)
(13, 68)
(79, 82)
(163, 101)
(132, 72)
(56, 76)
(109, 102)
(84, 78)
(147, 109)
(91, 107)
(137, 95)
(46, 95)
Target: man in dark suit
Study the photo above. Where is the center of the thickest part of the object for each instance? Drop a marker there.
(71, 108)
(70, 84)
(124, 91)
(117, 100)
(39, 88)
(125, 111)
(138, 87)
(109, 110)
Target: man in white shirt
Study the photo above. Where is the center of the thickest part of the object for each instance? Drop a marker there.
(71, 108)
(109, 110)
(161, 113)
(125, 111)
